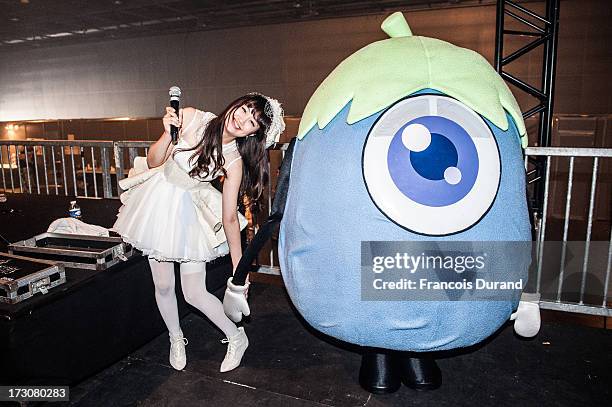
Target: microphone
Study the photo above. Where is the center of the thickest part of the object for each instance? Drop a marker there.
(175, 94)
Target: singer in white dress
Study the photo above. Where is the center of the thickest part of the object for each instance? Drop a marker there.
(172, 213)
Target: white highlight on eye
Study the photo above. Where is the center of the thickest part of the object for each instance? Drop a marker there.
(452, 175)
(416, 137)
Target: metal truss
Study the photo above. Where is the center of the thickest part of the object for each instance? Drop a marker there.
(544, 32)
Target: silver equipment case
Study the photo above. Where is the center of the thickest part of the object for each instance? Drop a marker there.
(22, 277)
(75, 251)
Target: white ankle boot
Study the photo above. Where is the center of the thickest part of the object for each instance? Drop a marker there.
(236, 345)
(178, 359)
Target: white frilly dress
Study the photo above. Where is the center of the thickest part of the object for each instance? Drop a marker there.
(169, 215)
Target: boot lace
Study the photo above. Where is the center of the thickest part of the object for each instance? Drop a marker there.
(175, 348)
(231, 347)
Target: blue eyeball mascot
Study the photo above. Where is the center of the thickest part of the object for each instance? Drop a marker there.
(408, 139)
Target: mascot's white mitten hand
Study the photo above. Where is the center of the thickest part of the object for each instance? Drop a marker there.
(527, 316)
(235, 303)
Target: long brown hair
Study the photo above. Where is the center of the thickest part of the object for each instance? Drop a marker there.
(252, 148)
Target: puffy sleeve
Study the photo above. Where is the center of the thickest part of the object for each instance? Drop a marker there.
(190, 136)
(193, 131)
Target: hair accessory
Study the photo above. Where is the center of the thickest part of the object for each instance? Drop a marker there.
(274, 111)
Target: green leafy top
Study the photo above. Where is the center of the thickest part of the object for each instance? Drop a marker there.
(385, 71)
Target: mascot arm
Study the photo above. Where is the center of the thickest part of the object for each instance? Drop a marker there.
(527, 316)
(234, 301)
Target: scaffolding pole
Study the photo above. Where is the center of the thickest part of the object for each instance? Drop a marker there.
(543, 32)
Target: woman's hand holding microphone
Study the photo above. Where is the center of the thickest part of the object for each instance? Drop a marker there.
(171, 118)
(161, 149)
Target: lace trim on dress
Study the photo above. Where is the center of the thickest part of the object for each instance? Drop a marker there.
(152, 253)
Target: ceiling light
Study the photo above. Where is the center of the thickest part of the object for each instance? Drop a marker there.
(151, 22)
(59, 35)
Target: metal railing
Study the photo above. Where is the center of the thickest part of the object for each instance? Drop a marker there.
(67, 167)
(60, 167)
(555, 299)
(125, 152)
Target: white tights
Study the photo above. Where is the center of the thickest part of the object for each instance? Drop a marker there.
(193, 281)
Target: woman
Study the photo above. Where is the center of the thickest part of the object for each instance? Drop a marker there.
(173, 214)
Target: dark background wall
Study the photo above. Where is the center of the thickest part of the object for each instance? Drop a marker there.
(131, 77)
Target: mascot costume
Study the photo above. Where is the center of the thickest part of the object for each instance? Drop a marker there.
(410, 139)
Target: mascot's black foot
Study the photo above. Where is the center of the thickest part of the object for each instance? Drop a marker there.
(378, 373)
(420, 374)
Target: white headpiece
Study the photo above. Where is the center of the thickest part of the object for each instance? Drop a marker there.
(274, 111)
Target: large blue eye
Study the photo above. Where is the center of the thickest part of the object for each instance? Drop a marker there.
(431, 165)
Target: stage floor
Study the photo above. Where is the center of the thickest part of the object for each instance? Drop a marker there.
(288, 365)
